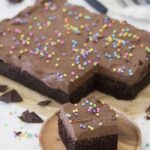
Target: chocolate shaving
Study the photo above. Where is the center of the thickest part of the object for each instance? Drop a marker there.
(18, 133)
(148, 113)
(44, 103)
(30, 117)
(3, 88)
(10, 97)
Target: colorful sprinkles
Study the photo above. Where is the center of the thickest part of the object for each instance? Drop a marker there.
(18, 131)
(25, 135)
(93, 109)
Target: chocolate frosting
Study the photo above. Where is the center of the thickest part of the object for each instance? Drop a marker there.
(63, 45)
(89, 119)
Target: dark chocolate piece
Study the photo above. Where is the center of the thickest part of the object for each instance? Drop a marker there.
(148, 113)
(30, 117)
(15, 1)
(69, 52)
(44, 103)
(88, 125)
(3, 88)
(18, 133)
(11, 96)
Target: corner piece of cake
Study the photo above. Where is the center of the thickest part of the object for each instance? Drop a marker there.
(88, 125)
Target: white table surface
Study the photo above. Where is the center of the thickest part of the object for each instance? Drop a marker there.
(9, 122)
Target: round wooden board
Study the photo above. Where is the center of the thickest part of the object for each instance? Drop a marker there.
(129, 135)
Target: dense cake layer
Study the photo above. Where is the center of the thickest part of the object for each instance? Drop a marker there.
(88, 124)
(102, 143)
(66, 48)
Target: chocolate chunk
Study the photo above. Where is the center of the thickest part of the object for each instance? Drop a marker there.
(15, 1)
(148, 113)
(30, 117)
(3, 88)
(11, 96)
(44, 103)
(18, 133)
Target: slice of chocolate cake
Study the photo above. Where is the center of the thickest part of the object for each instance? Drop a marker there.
(65, 52)
(88, 125)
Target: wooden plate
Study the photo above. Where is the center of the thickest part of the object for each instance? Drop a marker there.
(129, 135)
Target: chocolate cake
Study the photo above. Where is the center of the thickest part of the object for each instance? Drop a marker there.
(65, 52)
(88, 125)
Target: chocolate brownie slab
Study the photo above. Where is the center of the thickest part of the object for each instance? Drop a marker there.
(88, 125)
(66, 52)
